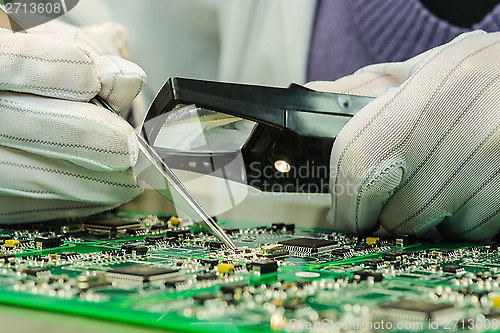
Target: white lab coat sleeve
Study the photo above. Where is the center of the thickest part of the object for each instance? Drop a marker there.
(265, 42)
(250, 41)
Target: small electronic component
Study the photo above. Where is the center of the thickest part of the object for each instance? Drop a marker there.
(140, 250)
(365, 275)
(372, 240)
(68, 255)
(47, 242)
(11, 243)
(230, 232)
(38, 272)
(273, 250)
(277, 227)
(264, 266)
(110, 226)
(137, 249)
(175, 283)
(234, 288)
(175, 221)
(205, 297)
(86, 282)
(308, 246)
(5, 258)
(393, 255)
(406, 240)
(454, 269)
(215, 245)
(206, 277)
(209, 262)
(419, 311)
(178, 234)
(373, 263)
(154, 239)
(225, 268)
(142, 274)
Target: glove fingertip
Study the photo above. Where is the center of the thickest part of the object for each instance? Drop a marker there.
(121, 81)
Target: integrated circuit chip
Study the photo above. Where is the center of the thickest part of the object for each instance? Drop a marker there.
(39, 271)
(308, 246)
(273, 250)
(110, 226)
(142, 274)
(418, 311)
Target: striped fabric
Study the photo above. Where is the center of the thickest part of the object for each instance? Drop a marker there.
(352, 34)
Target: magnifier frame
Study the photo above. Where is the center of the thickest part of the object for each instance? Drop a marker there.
(294, 124)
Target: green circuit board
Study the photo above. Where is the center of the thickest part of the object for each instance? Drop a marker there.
(165, 272)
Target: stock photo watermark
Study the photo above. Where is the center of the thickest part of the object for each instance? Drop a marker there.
(330, 325)
(26, 14)
(307, 178)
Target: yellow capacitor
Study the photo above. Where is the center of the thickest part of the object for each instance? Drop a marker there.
(496, 301)
(225, 268)
(175, 221)
(372, 240)
(11, 243)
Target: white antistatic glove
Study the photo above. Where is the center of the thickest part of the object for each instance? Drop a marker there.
(59, 155)
(426, 152)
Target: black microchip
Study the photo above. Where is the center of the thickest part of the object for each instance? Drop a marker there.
(206, 277)
(178, 234)
(393, 255)
(277, 226)
(377, 276)
(110, 226)
(302, 283)
(140, 250)
(174, 283)
(47, 242)
(68, 255)
(215, 245)
(231, 231)
(424, 310)
(205, 297)
(37, 271)
(135, 231)
(154, 239)
(209, 262)
(142, 273)
(405, 240)
(361, 247)
(6, 257)
(109, 252)
(339, 252)
(290, 227)
(308, 245)
(452, 269)
(364, 275)
(361, 275)
(234, 288)
(264, 266)
(490, 247)
(170, 240)
(137, 249)
(127, 248)
(373, 263)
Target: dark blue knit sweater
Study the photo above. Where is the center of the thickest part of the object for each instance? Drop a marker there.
(349, 34)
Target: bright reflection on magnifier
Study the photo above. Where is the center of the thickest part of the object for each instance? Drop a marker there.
(282, 166)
